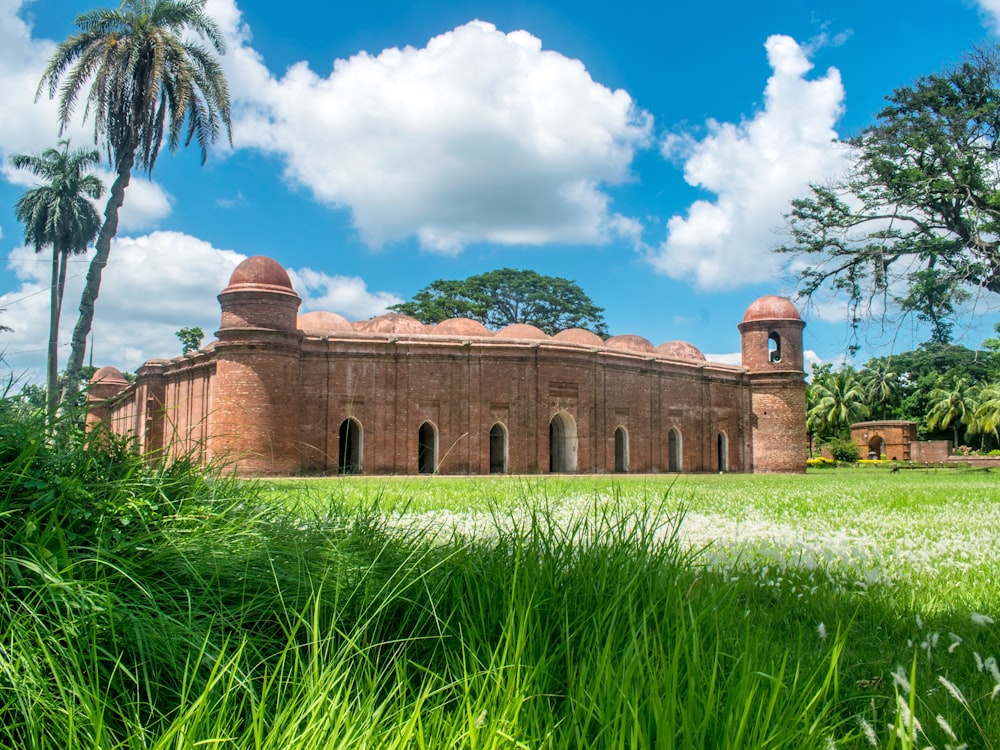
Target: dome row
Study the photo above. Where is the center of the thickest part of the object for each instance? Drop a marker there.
(265, 274)
(331, 324)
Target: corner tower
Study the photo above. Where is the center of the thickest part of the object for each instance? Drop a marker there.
(256, 408)
(771, 336)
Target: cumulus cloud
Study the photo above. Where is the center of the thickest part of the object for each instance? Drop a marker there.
(754, 168)
(345, 295)
(990, 12)
(478, 136)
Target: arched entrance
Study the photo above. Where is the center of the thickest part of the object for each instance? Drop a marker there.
(621, 451)
(674, 450)
(723, 452)
(427, 448)
(498, 449)
(349, 447)
(876, 447)
(562, 443)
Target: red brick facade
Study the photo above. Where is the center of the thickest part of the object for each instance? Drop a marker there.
(281, 394)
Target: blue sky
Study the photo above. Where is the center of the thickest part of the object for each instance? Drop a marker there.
(645, 150)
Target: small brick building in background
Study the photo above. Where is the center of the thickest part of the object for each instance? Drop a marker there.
(279, 393)
(896, 439)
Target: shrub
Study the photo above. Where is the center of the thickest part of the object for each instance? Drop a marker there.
(846, 451)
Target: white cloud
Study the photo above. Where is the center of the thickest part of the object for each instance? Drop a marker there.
(990, 12)
(479, 136)
(345, 295)
(754, 168)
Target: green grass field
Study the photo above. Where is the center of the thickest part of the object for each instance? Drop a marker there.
(154, 607)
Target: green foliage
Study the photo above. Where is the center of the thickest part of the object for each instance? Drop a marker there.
(919, 209)
(190, 339)
(505, 296)
(845, 451)
(835, 400)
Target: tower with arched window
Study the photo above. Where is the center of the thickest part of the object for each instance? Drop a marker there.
(771, 336)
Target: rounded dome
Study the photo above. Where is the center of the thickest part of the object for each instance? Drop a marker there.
(391, 323)
(772, 307)
(259, 270)
(630, 342)
(461, 327)
(579, 336)
(321, 323)
(680, 350)
(108, 375)
(521, 331)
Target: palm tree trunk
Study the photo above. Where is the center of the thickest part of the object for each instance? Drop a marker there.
(52, 363)
(92, 286)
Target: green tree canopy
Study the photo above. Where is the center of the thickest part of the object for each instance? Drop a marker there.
(149, 81)
(190, 338)
(507, 295)
(920, 209)
(836, 399)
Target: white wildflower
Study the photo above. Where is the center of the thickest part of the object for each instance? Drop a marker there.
(981, 619)
(869, 732)
(979, 661)
(821, 631)
(908, 723)
(956, 641)
(990, 665)
(952, 688)
(920, 622)
(899, 677)
(946, 727)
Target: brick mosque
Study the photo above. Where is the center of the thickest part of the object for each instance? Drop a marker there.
(278, 393)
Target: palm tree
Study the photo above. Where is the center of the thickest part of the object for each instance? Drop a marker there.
(881, 384)
(837, 401)
(58, 214)
(987, 412)
(148, 82)
(952, 402)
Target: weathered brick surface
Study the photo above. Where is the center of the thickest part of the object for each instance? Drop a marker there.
(272, 399)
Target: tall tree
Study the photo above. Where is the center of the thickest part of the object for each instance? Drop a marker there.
(149, 81)
(836, 401)
(881, 384)
(58, 214)
(952, 403)
(507, 295)
(920, 209)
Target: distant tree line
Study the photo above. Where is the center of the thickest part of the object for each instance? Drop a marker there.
(950, 391)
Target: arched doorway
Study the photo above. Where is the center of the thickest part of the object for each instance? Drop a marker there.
(674, 450)
(427, 448)
(562, 443)
(723, 452)
(876, 447)
(621, 451)
(349, 447)
(498, 449)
